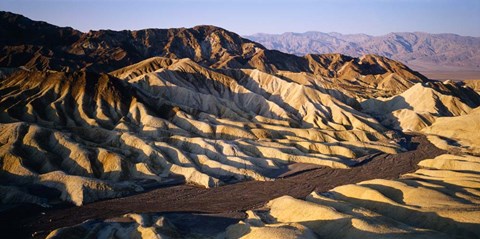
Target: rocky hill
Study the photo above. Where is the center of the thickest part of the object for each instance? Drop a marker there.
(41, 46)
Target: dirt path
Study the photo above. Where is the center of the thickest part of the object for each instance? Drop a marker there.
(230, 199)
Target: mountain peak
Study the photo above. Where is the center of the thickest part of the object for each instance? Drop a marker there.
(209, 28)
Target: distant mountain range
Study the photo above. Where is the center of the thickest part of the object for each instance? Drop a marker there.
(435, 55)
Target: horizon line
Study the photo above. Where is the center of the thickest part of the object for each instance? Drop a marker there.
(244, 35)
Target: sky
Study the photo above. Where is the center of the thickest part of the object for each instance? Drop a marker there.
(373, 17)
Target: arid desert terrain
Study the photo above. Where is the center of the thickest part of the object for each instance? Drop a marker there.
(201, 133)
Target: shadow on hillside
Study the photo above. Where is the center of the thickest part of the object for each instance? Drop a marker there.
(387, 118)
(416, 218)
(210, 95)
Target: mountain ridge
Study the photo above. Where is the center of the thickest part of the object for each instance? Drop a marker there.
(425, 52)
(107, 50)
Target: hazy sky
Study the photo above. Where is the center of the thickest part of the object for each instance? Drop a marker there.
(375, 17)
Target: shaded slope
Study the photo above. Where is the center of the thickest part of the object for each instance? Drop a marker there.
(106, 50)
(421, 105)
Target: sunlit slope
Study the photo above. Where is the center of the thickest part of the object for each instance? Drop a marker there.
(458, 134)
(422, 104)
(167, 121)
(440, 200)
